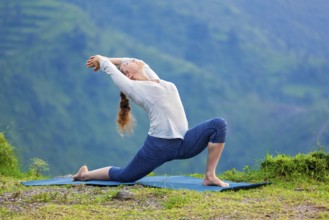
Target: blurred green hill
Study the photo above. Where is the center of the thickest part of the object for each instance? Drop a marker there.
(261, 65)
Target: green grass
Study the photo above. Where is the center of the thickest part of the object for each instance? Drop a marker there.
(293, 199)
(299, 190)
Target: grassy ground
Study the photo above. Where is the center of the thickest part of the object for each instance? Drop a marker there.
(300, 190)
(283, 199)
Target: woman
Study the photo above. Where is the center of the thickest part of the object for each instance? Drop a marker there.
(168, 137)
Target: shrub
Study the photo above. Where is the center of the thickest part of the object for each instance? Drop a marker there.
(38, 166)
(313, 165)
(8, 162)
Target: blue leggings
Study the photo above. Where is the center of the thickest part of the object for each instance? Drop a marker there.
(157, 151)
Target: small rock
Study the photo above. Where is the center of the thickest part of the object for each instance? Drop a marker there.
(124, 195)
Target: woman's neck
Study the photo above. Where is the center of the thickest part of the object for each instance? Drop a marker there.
(141, 76)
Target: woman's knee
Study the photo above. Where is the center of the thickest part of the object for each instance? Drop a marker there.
(219, 123)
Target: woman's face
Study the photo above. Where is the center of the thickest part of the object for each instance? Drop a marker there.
(131, 67)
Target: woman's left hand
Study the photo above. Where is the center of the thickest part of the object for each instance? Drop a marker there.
(93, 62)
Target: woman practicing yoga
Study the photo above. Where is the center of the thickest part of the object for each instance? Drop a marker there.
(168, 137)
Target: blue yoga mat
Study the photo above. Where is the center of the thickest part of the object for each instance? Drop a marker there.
(170, 182)
(69, 181)
(193, 183)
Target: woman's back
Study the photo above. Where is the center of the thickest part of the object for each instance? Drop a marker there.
(164, 108)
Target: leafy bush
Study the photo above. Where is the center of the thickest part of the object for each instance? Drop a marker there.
(313, 165)
(8, 162)
(38, 167)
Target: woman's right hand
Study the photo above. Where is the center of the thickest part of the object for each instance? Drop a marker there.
(93, 62)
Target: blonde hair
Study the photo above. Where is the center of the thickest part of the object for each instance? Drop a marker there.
(125, 119)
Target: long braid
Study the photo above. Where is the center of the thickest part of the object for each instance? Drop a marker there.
(125, 119)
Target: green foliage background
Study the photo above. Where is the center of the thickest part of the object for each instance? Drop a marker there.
(261, 65)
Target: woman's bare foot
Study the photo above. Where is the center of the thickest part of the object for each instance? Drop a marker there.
(81, 174)
(214, 181)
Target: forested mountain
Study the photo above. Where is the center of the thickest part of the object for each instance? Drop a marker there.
(261, 65)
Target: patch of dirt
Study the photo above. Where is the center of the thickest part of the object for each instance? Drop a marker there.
(308, 211)
(35, 197)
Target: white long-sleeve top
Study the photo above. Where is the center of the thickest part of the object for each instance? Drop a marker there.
(161, 101)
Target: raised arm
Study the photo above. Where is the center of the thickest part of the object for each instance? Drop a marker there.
(118, 61)
(107, 65)
(115, 60)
